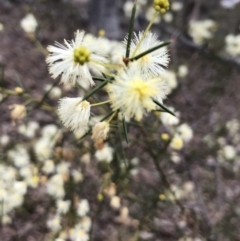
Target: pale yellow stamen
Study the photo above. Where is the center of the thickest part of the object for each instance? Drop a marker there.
(83, 105)
(81, 55)
(142, 89)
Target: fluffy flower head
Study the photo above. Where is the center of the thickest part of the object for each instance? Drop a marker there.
(133, 93)
(105, 154)
(74, 113)
(153, 62)
(74, 60)
(83, 208)
(201, 30)
(29, 23)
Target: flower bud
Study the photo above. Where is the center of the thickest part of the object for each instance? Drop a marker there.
(100, 132)
(18, 112)
(161, 6)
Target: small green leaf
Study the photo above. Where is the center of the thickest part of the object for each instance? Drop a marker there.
(163, 107)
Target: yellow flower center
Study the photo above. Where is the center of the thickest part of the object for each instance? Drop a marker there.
(81, 55)
(161, 6)
(143, 89)
(82, 105)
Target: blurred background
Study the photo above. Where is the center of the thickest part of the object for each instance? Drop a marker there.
(192, 195)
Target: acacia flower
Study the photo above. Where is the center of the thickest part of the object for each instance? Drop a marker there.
(132, 92)
(29, 23)
(100, 131)
(74, 113)
(83, 208)
(161, 5)
(74, 60)
(153, 62)
(78, 234)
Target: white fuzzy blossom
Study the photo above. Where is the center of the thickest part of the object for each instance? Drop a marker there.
(43, 148)
(44, 145)
(29, 23)
(115, 202)
(54, 224)
(74, 60)
(55, 186)
(182, 71)
(185, 132)
(20, 187)
(152, 63)
(63, 168)
(83, 208)
(48, 167)
(168, 119)
(201, 30)
(78, 234)
(176, 6)
(4, 140)
(232, 44)
(229, 3)
(50, 131)
(86, 223)
(77, 176)
(63, 206)
(168, 17)
(20, 156)
(132, 93)
(29, 129)
(105, 153)
(55, 92)
(229, 152)
(74, 113)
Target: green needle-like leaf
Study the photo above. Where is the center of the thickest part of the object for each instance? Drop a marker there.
(46, 94)
(98, 78)
(87, 133)
(163, 107)
(125, 129)
(149, 51)
(130, 32)
(95, 89)
(108, 115)
(161, 110)
(2, 74)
